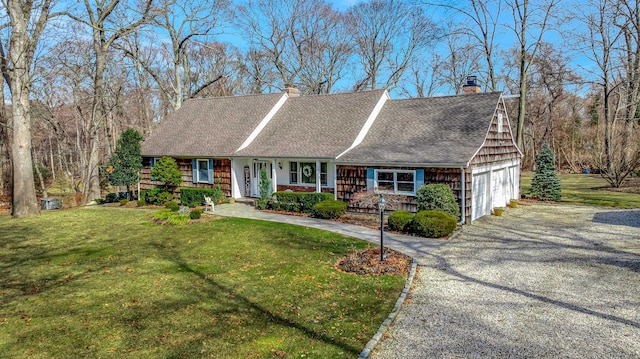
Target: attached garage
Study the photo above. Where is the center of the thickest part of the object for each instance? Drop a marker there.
(494, 187)
(481, 202)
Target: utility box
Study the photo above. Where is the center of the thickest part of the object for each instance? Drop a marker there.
(50, 203)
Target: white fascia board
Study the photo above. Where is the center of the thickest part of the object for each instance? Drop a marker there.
(264, 122)
(367, 125)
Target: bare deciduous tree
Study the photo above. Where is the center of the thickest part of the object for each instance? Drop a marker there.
(387, 35)
(530, 22)
(27, 22)
(108, 21)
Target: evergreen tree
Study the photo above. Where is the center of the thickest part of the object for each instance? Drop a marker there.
(166, 170)
(126, 163)
(545, 185)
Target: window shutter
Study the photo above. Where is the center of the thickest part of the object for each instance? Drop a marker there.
(210, 172)
(371, 172)
(419, 179)
(194, 168)
(153, 162)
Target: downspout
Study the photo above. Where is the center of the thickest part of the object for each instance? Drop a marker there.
(463, 213)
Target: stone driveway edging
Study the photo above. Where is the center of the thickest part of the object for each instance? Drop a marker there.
(392, 316)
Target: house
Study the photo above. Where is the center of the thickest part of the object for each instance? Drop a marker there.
(345, 143)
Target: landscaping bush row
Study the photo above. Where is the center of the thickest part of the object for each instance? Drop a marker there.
(195, 196)
(299, 202)
(429, 223)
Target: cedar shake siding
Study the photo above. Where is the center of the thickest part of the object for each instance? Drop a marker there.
(499, 145)
(353, 179)
(221, 172)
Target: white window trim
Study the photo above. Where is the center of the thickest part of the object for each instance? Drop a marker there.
(395, 181)
(197, 169)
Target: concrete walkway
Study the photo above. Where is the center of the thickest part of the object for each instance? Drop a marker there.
(414, 247)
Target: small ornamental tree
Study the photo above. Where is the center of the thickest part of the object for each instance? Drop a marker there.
(545, 185)
(166, 170)
(265, 189)
(123, 168)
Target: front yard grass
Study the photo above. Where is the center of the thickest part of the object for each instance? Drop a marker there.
(589, 189)
(106, 282)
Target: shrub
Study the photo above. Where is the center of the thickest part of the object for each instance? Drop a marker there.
(141, 202)
(173, 206)
(123, 202)
(178, 219)
(438, 197)
(328, 209)
(299, 202)
(400, 221)
(195, 214)
(195, 196)
(158, 196)
(434, 224)
(99, 201)
(111, 198)
(545, 185)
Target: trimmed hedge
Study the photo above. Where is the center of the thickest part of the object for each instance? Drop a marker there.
(400, 221)
(195, 196)
(329, 209)
(437, 197)
(434, 224)
(300, 202)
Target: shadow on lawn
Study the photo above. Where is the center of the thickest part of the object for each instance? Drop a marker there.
(216, 289)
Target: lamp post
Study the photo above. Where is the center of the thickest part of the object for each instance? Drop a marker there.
(381, 205)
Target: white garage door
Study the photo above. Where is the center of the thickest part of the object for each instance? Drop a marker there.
(480, 204)
(499, 188)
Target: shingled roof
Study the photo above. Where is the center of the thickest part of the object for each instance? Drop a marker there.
(209, 127)
(444, 130)
(320, 126)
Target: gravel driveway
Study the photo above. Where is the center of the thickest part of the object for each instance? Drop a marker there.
(541, 281)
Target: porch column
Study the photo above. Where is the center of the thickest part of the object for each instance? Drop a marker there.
(274, 179)
(234, 180)
(318, 184)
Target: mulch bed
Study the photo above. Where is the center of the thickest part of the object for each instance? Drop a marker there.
(368, 262)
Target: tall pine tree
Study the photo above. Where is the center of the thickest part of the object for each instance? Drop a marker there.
(126, 163)
(545, 185)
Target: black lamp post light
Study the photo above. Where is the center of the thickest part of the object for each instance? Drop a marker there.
(381, 205)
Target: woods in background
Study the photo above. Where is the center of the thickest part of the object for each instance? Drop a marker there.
(76, 74)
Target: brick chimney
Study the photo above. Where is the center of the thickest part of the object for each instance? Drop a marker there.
(291, 90)
(471, 86)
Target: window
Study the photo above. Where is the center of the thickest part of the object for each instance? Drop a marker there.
(308, 172)
(396, 181)
(203, 171)
(323, 173)
(499, 122)
(293, 172)
(154, 160)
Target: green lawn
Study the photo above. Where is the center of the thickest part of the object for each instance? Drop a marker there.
(108, 283)
(588, 190)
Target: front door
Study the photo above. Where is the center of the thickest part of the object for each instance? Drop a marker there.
(258, 166)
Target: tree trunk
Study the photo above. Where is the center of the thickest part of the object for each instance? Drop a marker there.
(24, 201)
(91, 188)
